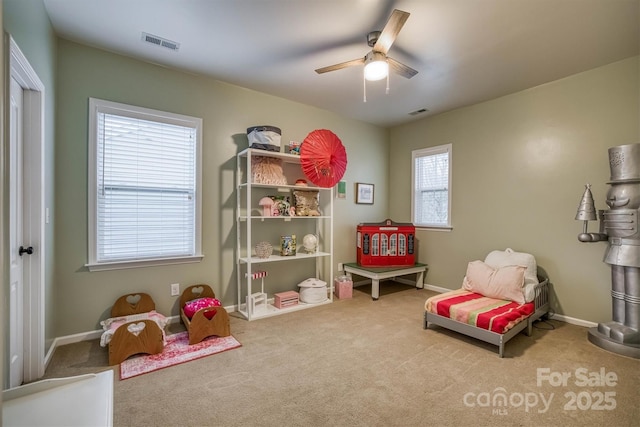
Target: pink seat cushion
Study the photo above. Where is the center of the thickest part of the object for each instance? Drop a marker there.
(193, 306)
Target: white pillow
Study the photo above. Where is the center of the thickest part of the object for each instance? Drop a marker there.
(501, 283)
(497, 259)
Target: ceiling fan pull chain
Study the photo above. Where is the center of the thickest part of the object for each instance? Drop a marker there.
(387, 92)
(364, 85)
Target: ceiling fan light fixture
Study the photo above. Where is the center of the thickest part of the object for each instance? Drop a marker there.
(376, 66)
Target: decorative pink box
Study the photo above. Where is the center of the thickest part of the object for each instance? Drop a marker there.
(343, 287)
(285, 299)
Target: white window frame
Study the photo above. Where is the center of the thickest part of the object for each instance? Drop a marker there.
(425, 152)
(393, 244)
(375, 248)
(384, 245)
(402, 244)
(97, 106)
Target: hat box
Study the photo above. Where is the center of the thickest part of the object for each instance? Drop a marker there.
(313, 291)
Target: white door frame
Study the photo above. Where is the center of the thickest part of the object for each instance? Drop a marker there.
(16, 260)
(33, 211)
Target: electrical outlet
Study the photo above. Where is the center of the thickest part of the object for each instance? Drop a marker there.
(175, 289)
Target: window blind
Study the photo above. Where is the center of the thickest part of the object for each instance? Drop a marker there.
(431, 187)
(146, 189)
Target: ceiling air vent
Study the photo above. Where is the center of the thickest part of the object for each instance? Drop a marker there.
(420, 111)
(159, 41)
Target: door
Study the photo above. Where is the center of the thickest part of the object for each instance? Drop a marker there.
(26, 350)
(16, 258)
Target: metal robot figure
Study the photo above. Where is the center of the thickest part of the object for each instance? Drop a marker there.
(619, 225)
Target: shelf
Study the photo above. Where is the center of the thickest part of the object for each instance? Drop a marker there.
(270, 310)
(251, 227)
(289, 158)
(284, 188)
(285, 218)
(276, 258)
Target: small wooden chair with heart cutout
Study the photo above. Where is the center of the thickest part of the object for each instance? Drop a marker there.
(202, 314)
(133, 328)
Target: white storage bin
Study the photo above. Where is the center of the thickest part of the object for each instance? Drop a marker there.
(313, 291)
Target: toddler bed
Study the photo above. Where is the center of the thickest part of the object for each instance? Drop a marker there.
(202, 314)
(499, 298)
(134, 327)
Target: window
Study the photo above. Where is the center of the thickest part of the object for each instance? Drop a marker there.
(374, 245)
(144, 187)
(402, 245)
(431, 176)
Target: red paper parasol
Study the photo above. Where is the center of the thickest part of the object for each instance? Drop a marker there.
(323, 158)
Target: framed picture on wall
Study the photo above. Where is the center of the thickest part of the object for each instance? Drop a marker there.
(364, 193)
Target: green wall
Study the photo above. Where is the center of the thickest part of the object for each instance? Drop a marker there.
(82, 298)
(520, 164)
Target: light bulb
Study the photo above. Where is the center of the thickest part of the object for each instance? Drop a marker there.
(376, 66)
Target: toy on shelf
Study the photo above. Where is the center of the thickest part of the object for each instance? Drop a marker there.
(276, 206)
(267, 205)
(288, 245)
(257, 301)
(267, 170)
(294, 147)
(310, 243)
(285, 299)
(306, 202)
(264, 250)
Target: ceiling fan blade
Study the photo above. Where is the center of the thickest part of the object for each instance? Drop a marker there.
(400, 68)
(340, 66)
(390, 31)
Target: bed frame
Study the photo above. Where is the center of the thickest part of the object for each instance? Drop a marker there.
(541, 302)
(125, 344)
(199, 327)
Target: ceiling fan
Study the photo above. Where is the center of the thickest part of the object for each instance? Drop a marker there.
(376, 62)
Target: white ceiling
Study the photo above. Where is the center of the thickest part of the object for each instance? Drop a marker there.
(466, 51)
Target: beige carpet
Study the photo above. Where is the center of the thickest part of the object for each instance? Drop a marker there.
(359, 362)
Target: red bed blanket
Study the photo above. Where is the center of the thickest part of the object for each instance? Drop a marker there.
(477, 310)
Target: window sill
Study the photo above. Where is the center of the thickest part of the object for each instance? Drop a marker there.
(434, 228)
(120, 265)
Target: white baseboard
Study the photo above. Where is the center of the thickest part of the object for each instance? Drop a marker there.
(438, 289)
(69, 339)
(406, 281)
(573, 321)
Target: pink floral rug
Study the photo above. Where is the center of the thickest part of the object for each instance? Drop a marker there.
(175, 352)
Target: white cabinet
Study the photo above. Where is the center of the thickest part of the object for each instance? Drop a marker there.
(283, 273)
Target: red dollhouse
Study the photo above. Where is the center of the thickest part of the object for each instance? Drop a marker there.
(386, 244)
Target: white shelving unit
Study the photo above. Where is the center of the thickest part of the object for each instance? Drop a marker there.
(252, 227)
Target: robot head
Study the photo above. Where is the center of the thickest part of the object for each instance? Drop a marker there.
(624, 162)
(624, 196)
